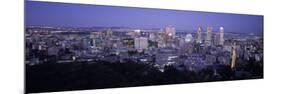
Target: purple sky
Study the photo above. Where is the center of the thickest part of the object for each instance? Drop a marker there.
(82, 15)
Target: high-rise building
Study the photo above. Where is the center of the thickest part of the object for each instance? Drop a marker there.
(152, 36)
(208, 40)
(161, 40)
(221, 36)
(109, 33)
(170, 31)
(141, 43)
(233, 56)
(96, 40)
(188, 38)
(199, 35)
(169, 35)
(216, 38)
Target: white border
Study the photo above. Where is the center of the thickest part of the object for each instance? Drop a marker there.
(11, 48)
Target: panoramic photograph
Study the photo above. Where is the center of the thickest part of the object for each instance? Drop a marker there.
(85, 46)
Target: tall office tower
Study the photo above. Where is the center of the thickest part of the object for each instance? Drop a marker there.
(109, 33)
(107, 39)
(216, 39)
(93, 36)
(169, 35)
(170, 31)
(152, 36)
(221, 36)
(208, 40)
(233, 56)
(161, 40)
(199, 35)
(188, 38)
(141, 43)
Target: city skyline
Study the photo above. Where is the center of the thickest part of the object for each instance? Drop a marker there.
(58, 15)
(78, 47)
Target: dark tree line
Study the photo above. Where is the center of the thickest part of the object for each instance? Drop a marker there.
(49, 77)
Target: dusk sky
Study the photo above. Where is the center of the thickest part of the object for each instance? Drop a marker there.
(83, 15)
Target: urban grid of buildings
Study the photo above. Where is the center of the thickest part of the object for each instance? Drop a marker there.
(158, 47)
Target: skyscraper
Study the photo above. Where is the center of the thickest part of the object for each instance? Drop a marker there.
(170, 31)
(215, 38)
(188, 38)
(141, 43)
(199, 35)
(108, 33)
(221, 36)
(233, 56)
(208, 40)
(96, 40)
(169, 35)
